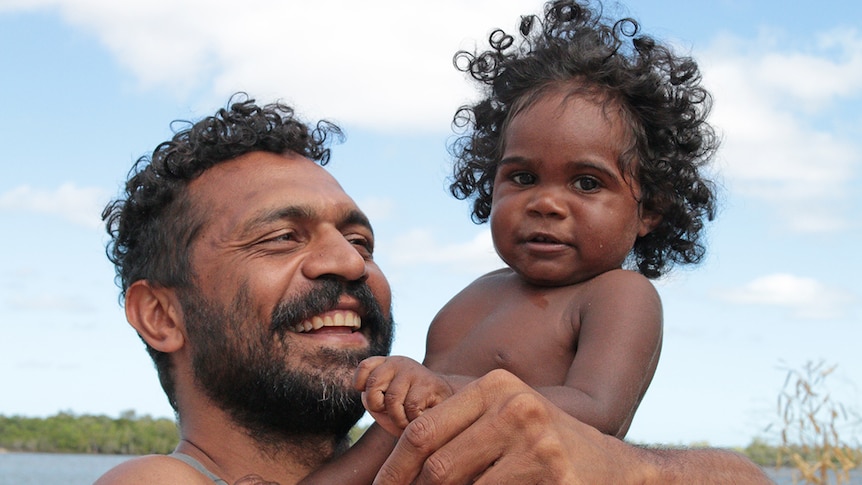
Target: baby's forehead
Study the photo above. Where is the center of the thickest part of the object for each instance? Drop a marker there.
(581, 110)
(612, 103)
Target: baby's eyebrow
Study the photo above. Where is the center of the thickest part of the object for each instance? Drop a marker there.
(575, 164)
(511, 160)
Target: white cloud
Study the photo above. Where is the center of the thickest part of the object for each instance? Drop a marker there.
(380, 63)
(784, 118)
(48, 303)
(419, 247)
(805, 298)
(79, 205)
(377, 208)
(387, 64)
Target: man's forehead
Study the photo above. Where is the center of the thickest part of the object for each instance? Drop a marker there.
(262, 185)
(263, 172)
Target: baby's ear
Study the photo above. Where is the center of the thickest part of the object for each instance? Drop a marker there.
(155, 313)
(649, 221)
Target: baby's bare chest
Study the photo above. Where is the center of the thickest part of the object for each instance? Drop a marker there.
(536, 343)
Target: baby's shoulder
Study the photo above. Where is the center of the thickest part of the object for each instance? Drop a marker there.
(620, 279)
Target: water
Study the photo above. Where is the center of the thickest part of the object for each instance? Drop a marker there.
(57, 469)
(54, 469)
(784, 476)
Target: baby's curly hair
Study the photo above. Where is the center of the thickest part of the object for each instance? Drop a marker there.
(152, 225)
(660, 95)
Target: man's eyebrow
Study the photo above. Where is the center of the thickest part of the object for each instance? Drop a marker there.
(264, 218)
(356, 218)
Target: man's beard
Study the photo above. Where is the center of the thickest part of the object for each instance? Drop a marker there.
(241, 364)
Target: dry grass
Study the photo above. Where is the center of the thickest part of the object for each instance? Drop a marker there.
(813, 428)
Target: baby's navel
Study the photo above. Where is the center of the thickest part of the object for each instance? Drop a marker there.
(501, 359)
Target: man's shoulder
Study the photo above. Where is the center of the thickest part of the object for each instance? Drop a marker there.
(152, 469)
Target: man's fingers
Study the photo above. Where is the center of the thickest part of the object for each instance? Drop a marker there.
(460, 460)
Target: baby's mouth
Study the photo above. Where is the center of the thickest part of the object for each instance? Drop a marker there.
(543, 239)
(344, 319)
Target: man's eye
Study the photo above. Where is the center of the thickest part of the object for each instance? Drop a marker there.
(523, 178)
(281, 240)
(587, 184)
(364, 244)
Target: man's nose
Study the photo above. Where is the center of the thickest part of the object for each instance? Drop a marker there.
(333, 255)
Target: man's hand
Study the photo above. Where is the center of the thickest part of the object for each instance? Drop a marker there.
(499, 430)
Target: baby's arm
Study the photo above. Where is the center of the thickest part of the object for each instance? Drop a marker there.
(357, 465)
(396, 390)
(618, 346)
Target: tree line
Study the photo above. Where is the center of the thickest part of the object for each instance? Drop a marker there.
(140, 435)
(67, 433)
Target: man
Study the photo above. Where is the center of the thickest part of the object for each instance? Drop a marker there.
(248, 273)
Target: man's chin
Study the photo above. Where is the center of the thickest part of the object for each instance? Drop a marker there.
(303, 406)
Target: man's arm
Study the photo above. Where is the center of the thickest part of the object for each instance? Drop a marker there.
(706, 466)
(499, 430)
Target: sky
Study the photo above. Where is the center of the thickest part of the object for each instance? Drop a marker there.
(91, 85)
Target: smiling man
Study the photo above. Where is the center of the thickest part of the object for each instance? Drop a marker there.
(248, 273)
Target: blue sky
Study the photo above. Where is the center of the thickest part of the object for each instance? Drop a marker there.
(90, 85)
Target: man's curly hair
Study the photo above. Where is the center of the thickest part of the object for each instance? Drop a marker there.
(152, 225)
(660, 95)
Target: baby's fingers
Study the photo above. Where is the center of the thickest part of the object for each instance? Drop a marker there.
(395, 399)
(365, 368)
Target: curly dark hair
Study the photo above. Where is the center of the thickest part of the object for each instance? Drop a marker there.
(152, 225)
(660, 95)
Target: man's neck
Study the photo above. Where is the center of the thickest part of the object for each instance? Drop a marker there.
(230, 452)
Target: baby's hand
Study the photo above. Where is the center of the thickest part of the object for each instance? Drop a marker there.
(396, 390)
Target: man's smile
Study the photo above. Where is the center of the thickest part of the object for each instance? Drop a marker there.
(334, 320)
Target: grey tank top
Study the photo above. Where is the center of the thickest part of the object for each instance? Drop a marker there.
(198, 466)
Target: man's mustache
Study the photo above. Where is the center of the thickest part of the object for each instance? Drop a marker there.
(323, 296)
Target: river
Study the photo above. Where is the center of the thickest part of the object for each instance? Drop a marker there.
(69, 469)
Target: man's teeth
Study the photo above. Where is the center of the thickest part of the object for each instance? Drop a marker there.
(339, 319)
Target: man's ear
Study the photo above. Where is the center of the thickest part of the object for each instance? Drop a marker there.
(649, 221)
(155, 313)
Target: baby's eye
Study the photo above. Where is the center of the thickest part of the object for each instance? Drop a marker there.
(587, 184)
(523, 178)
